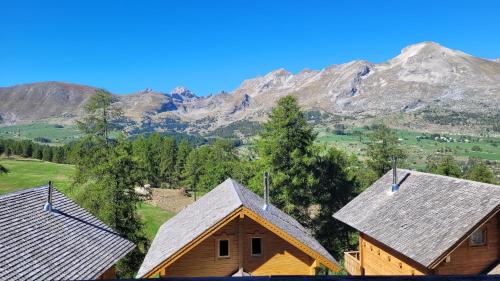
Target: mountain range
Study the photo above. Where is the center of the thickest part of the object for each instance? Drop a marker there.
(426, 87)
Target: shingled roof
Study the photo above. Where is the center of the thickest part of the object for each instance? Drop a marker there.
(426, 217)
(65, 244)
(210, 209)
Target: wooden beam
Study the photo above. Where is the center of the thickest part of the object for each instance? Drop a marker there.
(240, 242)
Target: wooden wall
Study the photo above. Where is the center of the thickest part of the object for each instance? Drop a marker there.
(278, 258)
(377, 259)
(108, 274)
(468, 259)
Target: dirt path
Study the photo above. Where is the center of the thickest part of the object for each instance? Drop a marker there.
(172, 200)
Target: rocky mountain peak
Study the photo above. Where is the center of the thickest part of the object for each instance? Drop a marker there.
(181, 92)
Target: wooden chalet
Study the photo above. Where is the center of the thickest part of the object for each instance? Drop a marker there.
(46, 236)
(416, 223)
(231, 231)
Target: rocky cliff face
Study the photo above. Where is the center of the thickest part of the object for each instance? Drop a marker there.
(424, 81)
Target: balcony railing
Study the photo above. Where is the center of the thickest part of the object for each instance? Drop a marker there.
(352, 263)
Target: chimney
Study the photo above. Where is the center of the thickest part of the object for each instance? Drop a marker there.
(48, 205)
(266, 191)
(395, 185)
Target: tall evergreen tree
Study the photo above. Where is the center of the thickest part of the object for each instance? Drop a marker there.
(168, 153)
(285, 150)
(335, 184)
(102, 115)
(106, 176)
(183, 150)
(383, 147)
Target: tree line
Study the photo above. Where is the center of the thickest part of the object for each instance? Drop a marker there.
(30, 149)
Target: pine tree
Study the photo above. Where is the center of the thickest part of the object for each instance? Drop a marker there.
(183, 150)
(107, 173)
(383, 147)
(168, 152)
(336, 183)
(102, 115)
(285, 150)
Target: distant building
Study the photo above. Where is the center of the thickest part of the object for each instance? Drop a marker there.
(46, 236)
(421, 224)
(233, 232)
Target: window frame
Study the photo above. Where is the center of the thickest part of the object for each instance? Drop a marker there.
(485, 238)
(228, 248)
(261, 246)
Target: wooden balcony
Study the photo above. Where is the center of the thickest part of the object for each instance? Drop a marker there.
(352, 263)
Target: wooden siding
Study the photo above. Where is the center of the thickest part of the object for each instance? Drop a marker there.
(278, 256)
(468, 259)
(108, 274)
(377, 259)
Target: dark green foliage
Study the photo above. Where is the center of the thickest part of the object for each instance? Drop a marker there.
(107, 173)
(167, 161)
(444, 165)
(47, 154)
(335, 185)
(42, 140)
(183, 150)
(479, 171)
(285, 151)
(102, 115)
(209, 165)
(383, 147)
(104, 185)
(237, 129)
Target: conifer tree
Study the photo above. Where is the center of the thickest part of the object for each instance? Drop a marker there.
(285, 150)
(383, 147)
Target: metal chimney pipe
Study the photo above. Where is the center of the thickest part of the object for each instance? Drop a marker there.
(48, 205)
(395, 185)
(266, 191)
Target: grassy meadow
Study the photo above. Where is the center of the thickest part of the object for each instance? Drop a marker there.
(27, 173)
(57, 134)
(462, 147)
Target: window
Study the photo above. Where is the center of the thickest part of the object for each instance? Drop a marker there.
(223, 248)
(256, 246)
(478, 237)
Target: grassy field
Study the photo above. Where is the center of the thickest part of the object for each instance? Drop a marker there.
(57, 134)
(418, 149)
(153, 217)
(26, 173)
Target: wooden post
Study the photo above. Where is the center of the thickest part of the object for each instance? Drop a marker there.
(240, 242)
(312, 269)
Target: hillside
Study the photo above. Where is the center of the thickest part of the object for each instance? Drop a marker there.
(426, 87)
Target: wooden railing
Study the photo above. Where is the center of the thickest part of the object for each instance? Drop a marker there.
(352, 263)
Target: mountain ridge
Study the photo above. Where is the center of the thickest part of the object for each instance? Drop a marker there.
(425, 81)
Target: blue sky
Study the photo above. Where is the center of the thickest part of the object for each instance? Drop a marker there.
(210, 46)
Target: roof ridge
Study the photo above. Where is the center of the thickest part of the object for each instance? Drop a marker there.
(236, 188)
(451, 178)
(22, 191)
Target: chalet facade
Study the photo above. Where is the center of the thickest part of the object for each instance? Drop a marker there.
(416, 223)
(233, 232)
(46, 236)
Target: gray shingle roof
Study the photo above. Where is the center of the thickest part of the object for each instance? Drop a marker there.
(210, 209)
(66, 244)
(425, 217)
